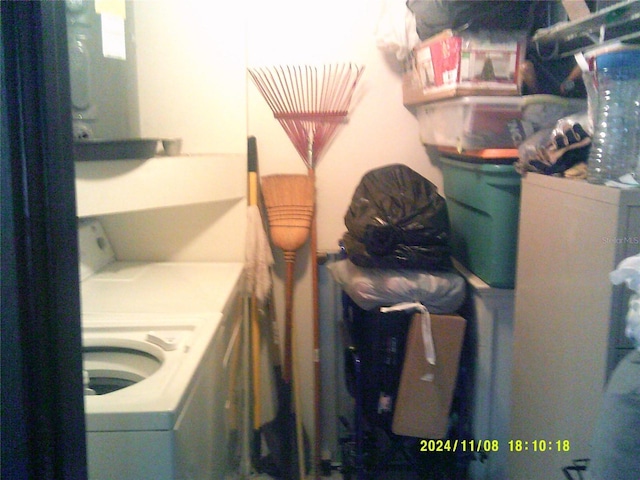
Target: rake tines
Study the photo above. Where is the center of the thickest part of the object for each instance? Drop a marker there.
(309, 102)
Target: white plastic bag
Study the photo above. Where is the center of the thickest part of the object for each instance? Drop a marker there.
(396, 29)
(628, 272)
(369, 288)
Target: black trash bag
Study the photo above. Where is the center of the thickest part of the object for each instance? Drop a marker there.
(397, 220)
(433, 16)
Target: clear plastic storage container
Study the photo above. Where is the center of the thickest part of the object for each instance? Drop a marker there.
(482, 122)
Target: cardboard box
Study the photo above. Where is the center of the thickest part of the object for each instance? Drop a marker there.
(576, 9)
(422, 406)
(450, 64)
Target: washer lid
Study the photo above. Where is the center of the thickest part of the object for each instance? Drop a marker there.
(161, 288)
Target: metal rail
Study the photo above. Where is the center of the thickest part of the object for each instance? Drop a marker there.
(616, 23)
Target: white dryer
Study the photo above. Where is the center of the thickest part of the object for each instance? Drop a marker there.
(162, 362)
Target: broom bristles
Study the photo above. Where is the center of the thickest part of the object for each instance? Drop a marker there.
(288, 189)
(290, 203)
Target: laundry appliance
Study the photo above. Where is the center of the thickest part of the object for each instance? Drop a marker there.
(162, 364)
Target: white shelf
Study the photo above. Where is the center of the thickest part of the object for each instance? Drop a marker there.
(619, 22)
(116, 186)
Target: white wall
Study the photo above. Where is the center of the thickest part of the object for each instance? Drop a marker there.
(380, 130)
(201, 46)
(191, 73)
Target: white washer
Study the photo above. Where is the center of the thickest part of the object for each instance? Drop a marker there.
(165, 288)
(172, 330)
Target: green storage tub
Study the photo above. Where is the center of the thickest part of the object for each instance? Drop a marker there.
(483, 201)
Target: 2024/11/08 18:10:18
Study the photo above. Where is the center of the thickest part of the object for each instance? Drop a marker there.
(450, 445)
(539, 445)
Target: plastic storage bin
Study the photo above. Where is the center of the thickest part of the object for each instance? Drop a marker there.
(483, 201)
(482, 122)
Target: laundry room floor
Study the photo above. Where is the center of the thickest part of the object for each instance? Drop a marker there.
(385, 476)
(390, 475)
(339, 476)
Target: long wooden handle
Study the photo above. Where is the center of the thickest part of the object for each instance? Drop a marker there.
(252, 198)
(290, 261)
(298, 411)
(317, 384)
(255, 363)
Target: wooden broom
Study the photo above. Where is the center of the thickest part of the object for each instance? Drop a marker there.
(289, 200)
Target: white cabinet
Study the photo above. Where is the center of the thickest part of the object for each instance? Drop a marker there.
(188, 208)
(491, 324)
(569, 318)
(116, 186)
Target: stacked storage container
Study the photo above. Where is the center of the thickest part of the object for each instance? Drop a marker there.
(476, 122)
(477, 137)
(483, 200)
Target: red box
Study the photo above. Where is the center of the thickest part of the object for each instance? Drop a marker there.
(439, 62)
(450, 65)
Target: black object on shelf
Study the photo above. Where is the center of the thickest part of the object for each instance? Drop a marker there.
(132, 149)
